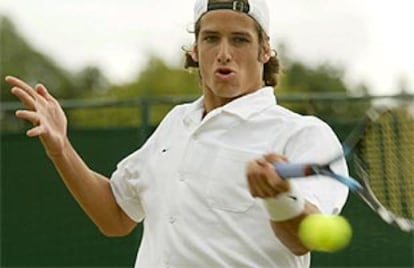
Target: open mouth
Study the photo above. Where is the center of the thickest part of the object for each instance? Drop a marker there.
(224, 72)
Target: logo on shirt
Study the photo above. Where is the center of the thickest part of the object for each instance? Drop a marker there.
(294, 198)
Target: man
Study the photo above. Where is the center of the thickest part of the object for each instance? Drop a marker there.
(204, 183)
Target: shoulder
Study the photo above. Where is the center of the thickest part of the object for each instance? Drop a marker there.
(298, 133)
(292, 121)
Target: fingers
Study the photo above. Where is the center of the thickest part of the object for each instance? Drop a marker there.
(35, 119)
(38, 102)
(25, 99)
(36, 131)
(42, 91)
(27, 95)
(16, 82)
(263, 180)
(258, 179)
(31, 116)
(272, 158)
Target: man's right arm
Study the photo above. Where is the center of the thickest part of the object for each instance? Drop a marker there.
(91, 190)
(93, 193)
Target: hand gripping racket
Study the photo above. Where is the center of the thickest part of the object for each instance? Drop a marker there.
(382, 146)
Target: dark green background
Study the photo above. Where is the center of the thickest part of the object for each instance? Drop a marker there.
(41, 224)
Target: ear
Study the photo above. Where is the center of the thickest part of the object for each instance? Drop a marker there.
(194, 53)
(266, 53)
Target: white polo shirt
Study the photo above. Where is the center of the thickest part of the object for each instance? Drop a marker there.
(189, 183)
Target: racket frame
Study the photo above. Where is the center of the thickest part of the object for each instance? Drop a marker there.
(359, 187)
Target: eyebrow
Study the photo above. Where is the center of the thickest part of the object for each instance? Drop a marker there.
(204, 32)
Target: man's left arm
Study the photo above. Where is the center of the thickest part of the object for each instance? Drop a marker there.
(285, 205)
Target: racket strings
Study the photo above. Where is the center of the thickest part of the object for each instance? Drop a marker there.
(387, 153)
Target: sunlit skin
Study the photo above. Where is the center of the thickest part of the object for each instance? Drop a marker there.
(229, 56)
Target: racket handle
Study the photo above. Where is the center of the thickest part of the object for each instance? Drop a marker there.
(291, 170)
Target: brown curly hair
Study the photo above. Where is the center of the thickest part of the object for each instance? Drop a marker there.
(270, 69)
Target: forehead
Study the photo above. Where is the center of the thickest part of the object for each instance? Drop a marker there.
(227, 20)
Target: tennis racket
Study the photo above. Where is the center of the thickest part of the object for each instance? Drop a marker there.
(382, 146)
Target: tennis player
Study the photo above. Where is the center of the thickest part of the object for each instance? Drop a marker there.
(203, 184)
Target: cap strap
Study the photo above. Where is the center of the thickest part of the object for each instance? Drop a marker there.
(234, 5)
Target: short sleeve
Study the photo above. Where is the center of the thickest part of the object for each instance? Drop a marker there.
(129, 179)
(126, 184)
(317, 143)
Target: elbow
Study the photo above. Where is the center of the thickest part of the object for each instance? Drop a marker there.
(115, 231)
(123, 226)
(299, 251)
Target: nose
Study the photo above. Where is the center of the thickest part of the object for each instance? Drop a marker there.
(224, 54)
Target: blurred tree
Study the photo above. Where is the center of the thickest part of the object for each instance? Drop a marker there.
(90, 79)
(20, 59)
(157, 79)
(300, 78)
(301, 82)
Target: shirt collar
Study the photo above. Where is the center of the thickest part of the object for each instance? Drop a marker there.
(252, 103)
(242, 107)
(195, 111)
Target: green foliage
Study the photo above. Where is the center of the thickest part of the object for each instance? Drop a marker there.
(156, 79)
(300, 78)
(20, 59)
(303, 81)
(90, 79)
(160, 79)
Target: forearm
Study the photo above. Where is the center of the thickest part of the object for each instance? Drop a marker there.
(287, 231)
(92, 191)
(284, 202)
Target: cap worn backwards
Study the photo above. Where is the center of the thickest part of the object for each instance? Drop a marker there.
(257, 9)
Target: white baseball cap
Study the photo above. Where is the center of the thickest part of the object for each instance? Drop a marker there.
(257, 9)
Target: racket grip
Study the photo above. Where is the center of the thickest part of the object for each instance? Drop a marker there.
(291, 170)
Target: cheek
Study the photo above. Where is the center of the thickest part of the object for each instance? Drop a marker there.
(206, 55)
(252, 70)
(250, 62)
(205, 61)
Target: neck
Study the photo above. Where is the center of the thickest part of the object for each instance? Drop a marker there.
(212, 101)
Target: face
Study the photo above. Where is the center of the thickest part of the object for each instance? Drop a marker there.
(229, 56)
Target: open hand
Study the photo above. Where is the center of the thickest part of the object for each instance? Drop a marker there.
(44, 112)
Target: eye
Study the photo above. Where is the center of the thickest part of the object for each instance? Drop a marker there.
(210, 38)
(240, 40)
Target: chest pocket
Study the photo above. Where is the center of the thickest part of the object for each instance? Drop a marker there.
(227, 187)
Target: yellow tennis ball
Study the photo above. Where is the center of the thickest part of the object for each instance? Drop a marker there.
(327, 233)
